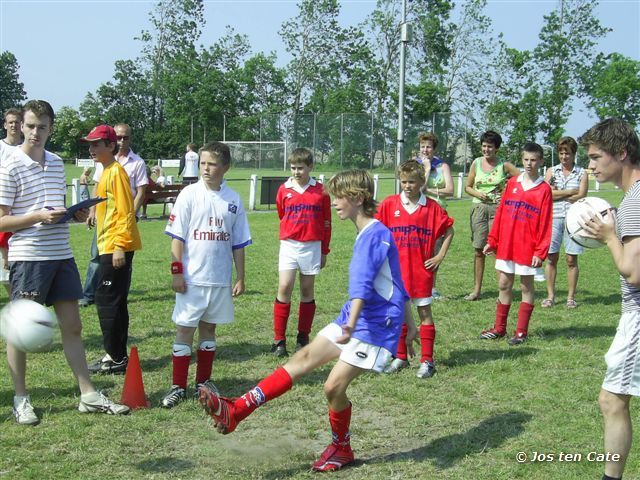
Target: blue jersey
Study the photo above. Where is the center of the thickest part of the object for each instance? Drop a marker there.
(375, 277)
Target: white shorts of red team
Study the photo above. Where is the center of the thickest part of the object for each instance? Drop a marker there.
(623, 357)
(509, 266)
(303, 256)
(356, 352)
(203, 304)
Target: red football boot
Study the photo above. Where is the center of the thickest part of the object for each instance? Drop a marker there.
(333, 458)
(219, 408)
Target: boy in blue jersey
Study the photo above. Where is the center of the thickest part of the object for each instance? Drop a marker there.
(362, 337)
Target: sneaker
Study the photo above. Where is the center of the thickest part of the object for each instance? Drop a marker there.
(517, 339)
(333, 458)
(491, 334)
(101, 404)
(107, 365)
(279, 348)
(427, 370)
(396, 365)
(302, 341)
(24, 413)
(208, 383)
(85, 302)
(220, 409)
(173, 397)
(436, 294)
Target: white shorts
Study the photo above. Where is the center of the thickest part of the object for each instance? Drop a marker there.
(357, 353)
(623, 357)
(203, 304)
(4, 273)
(509, 266)
(422, 302)
(303, 256)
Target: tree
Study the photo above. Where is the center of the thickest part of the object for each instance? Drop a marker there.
(566, 49)
(12, 91)
(612, 87)
(66, 135)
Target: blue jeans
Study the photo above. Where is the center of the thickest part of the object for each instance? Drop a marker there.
(91, 280)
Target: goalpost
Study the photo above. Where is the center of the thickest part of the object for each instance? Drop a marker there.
(258, 154)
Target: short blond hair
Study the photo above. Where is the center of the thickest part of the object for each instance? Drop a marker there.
(354, 184)
(412, 169)
(301, 155)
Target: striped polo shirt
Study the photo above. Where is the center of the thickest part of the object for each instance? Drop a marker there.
(26, 187)
(570, 182)
(628, 225)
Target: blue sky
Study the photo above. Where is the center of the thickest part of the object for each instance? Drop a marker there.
(67, 48)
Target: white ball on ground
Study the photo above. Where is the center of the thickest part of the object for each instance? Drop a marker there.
(585, 207)
(27, 325)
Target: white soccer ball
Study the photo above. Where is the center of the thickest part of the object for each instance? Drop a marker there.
(27, 325)
(585, 207)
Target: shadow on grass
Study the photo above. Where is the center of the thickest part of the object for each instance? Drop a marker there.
(165, 465)
(613, 299)
(446, 451)
(577, 332)
(458, 358)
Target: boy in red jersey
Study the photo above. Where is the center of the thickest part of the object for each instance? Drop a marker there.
(416, 223)
(520, 238)
(305, 231)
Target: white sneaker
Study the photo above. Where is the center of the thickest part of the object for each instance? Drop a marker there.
(97, 402)
(23, 411)
(396, 365)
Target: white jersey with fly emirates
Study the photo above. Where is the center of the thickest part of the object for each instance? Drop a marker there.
(191, 167)
(211, 224)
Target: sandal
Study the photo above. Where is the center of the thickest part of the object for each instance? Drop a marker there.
(472, 297)
(549, 302)
(571, 303)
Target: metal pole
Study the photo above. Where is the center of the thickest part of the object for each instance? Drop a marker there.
(404, 39)
(224, 128)
(191, 128)
(371, 152)
(341, 136)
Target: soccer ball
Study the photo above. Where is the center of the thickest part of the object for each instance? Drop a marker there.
(27, 325)
(588, 206)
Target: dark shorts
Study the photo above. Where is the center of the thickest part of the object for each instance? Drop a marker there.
(47, 281)
(482, 215)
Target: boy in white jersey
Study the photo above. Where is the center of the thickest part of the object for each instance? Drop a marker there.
(189, 165)
(209, 231)
(361, 338)
(613, 149)
(42, 266)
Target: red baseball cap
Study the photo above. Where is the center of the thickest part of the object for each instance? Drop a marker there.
(101, 132)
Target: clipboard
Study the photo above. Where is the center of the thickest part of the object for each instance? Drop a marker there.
(71, 211)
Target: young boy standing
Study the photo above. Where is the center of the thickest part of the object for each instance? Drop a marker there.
(42, 264)
(416, 223)
(613, 149)
(117, 238)
(305, 231)
(209, 230)
(520, 238)
(362, 337)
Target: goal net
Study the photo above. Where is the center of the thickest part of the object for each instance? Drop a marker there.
(258, 155)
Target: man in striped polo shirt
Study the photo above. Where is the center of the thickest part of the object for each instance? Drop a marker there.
(32, 201)
(613, 149)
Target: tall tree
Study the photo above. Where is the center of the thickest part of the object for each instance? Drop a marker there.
(566, 48)
(11, 89)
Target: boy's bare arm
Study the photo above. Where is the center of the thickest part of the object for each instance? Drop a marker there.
(238, 260)
(11, 223)
(357, 304)
(178, 284)
(435, 261)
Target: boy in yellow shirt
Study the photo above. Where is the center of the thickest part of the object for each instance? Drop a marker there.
(117, 238)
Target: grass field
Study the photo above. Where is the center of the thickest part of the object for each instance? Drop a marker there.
(487, 402)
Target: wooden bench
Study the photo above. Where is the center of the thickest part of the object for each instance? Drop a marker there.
(161, 195)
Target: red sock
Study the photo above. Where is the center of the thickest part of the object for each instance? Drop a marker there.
(180, 369)
(524, 315)
(401, 352)
(267, 389)
(502, 314)
(340, 422)
(306, 312)
(280, 318)
(427, 339)
(205, 360)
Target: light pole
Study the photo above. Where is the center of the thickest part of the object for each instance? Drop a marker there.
(405, 34)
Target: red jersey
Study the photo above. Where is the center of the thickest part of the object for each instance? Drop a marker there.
(415, 234)
(522, 225)
(4, 239)
(305, 214)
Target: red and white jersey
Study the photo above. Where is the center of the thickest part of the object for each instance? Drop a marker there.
(305, 213)
(211, 224)
(522, 225)
(415, 232)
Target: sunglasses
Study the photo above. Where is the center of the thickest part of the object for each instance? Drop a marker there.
(123, 137)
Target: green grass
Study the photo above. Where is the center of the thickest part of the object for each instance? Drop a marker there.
(487, 402)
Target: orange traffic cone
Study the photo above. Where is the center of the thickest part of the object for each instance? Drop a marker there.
(133, 391)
